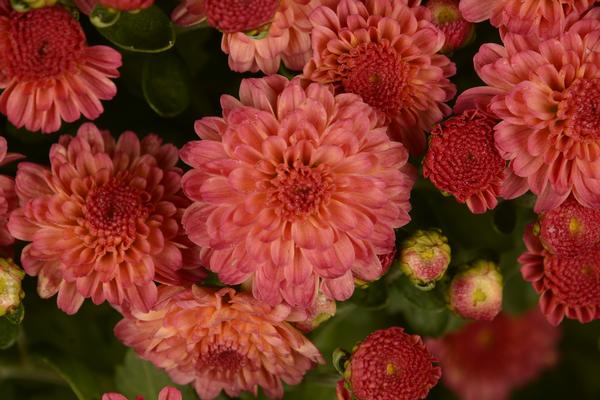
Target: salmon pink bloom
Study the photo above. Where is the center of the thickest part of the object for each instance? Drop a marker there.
(48, 72)
(168, 393)
(390, 365)
(104, 220)
(386, 52)
(257, 34)
(540, 18)
(488, 360)
(295, 189)
(221, 340)
(8, 196)
(547, 97)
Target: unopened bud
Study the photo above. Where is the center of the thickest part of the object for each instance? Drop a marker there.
(424, 257)
(447, 18)
(323, 309)
(11, 292)
(477, 292)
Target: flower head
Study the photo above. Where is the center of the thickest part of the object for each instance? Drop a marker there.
(462, 160)
(126, 5)
(296, 189)
(104, 220)
(220, 340)
(547, 95)
(257, 34)
(167, 393)
(487, 360)
(425, 256)
(539, 18)
(477, 292)
(390, 365)
(386, 52)
(568, 284)
(47, 70)
(11, 292)
(446, 15)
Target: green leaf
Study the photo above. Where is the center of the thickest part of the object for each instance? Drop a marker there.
(81, 381)
(166, 84)
(137, 377)
(147, 31)
(8, 333)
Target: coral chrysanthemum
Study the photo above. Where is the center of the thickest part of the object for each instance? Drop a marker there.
(104, 220)
(221, 340)
(392, 365)
(257, 34)
(567, 279)
(540, 18)
(126, 5)
(547, 96)
(462, 160)
(386, 52)
(47, 70)
(167, 393)
(487, 360)
(295, 188)
(8, 196)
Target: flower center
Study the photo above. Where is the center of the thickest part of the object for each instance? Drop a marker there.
(113, 209)
(223, 358)
(43, 43)
(581, 108)
(239, 15)
(299, 191)
(375, 72)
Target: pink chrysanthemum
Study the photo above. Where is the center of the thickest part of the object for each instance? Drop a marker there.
(568, 284)
(392, 365)
(257, 34)
(126, 5)
(8, 196)
(104, 220)
(487, 360)
(547, 96)
(167, 393)
(462, 160)
(386, 52)
(47, 70)
(220, 340)
(539, 18)
(295, 187)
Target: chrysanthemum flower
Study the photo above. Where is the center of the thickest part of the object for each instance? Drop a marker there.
(476, 293)
(220, 340)
(126, 5)
(257, 34)
(103, 220)
(392, 365)
(8, 196)
(167, 393)
(547, 96)
(446, 16)
(462, 160)
(386, 52)
(48, 72)
(541, 18)
(487, 360)
(295, 188)
(569, 285)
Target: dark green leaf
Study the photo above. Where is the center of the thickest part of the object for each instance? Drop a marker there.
(166, 84)
(147, 31)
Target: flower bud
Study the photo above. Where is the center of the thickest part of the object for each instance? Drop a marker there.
(477, 292)
(424, 257)
(322, 309)
(27, 5)
(11, 293)
(448, 19)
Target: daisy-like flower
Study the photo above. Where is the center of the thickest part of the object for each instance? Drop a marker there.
(391, 365)
(221, 340)
(567, 279)
(487, 360)
(295, 189)
(48, 72)
(257, 34)
(386, 52)
(104, 220)
(540, 18)
(167, 393)
(547, 96)
(8, 196)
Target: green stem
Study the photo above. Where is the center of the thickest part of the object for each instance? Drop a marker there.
(31, 373)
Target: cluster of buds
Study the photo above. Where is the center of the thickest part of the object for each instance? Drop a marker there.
(11, 293)
(424, 257)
